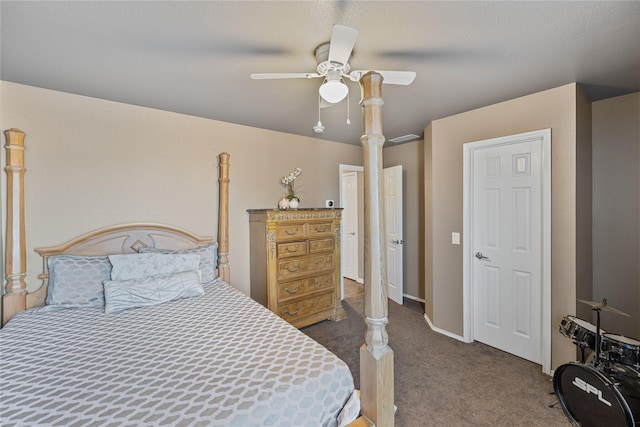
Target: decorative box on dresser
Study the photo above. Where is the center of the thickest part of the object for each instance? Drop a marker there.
(295, 263)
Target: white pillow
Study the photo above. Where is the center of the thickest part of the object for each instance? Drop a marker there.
(138, 266)
(208, 258)
(124, 294)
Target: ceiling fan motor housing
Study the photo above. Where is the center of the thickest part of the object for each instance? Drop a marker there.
(325, 66)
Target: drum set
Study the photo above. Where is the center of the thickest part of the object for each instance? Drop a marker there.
(603, 388)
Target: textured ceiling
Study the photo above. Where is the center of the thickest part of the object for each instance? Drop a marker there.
(195, 57)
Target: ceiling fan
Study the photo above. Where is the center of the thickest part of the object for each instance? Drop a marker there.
(333, 64)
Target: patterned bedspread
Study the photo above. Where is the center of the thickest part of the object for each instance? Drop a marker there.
(216, 360)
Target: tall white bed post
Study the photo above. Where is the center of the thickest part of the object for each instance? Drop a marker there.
(15, 295)
(376, 357)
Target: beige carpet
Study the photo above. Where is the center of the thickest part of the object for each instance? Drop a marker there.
(440, 381)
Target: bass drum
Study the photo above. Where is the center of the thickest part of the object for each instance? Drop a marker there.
(595, 397)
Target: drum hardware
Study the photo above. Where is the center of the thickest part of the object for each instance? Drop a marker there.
(597, 307)
(581, 332)
(554, 403)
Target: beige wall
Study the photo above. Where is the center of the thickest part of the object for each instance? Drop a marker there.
(93, 163)
(410, 156)
(428, 221)
(559, 109)
(584, 217)
(616, 211)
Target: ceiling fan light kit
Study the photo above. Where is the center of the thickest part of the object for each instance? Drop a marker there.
(333, 91)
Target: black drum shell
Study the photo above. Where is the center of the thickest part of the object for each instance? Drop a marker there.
(620, 349)
(618, 384)
(580, 331)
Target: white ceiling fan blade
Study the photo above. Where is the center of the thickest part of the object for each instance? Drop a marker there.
(343, 39)
(390, 77)
(398, 77)
(265, 76)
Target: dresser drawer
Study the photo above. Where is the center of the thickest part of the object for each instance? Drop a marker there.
(317, 229)
(307, 307)
(303, 287)
(291, 231)
(298, 266)
(321, 245)
(290, 249)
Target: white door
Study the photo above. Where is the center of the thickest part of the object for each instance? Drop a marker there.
(506, 233)
(350, 225)
(393, 230)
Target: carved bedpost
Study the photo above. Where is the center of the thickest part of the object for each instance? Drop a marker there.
(376, 357)
(14, 299)
(223, 218)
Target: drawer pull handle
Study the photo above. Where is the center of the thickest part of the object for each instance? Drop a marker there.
(292, 291)
(320, 229)
(293, 249)
(291, 233)
(294, 313)
(292, 270)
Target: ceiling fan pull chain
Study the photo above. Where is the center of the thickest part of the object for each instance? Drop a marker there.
(319, 128)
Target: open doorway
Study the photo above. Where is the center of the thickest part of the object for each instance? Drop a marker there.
(351, 199)
(352, 228)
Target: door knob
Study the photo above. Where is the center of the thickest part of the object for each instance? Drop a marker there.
(479, 255)
(397, 242)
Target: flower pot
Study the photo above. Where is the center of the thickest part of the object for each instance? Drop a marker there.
(283, 203)
(294, 203)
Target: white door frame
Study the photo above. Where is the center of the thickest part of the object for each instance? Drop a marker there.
(394, 222)
(467, 233)
(342, 169)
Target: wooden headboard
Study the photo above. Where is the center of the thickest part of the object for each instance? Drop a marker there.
(118, 239)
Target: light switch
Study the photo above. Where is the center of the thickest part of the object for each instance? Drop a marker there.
(455, 238)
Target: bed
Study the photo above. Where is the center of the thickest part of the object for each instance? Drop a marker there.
(136, 324)
(23, 364)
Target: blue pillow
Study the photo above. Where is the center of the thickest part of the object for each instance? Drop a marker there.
(77, 280)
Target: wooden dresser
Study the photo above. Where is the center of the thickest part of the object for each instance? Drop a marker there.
(295, 263)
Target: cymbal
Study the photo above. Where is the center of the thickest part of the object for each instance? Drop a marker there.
(603, 306)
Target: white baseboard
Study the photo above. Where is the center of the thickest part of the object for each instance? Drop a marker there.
(411, 297)
(442, 331)
(360, 280)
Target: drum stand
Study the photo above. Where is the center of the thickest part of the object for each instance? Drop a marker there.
(596, 360)
(582, 346)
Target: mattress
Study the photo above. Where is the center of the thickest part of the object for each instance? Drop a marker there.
(216, 360)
